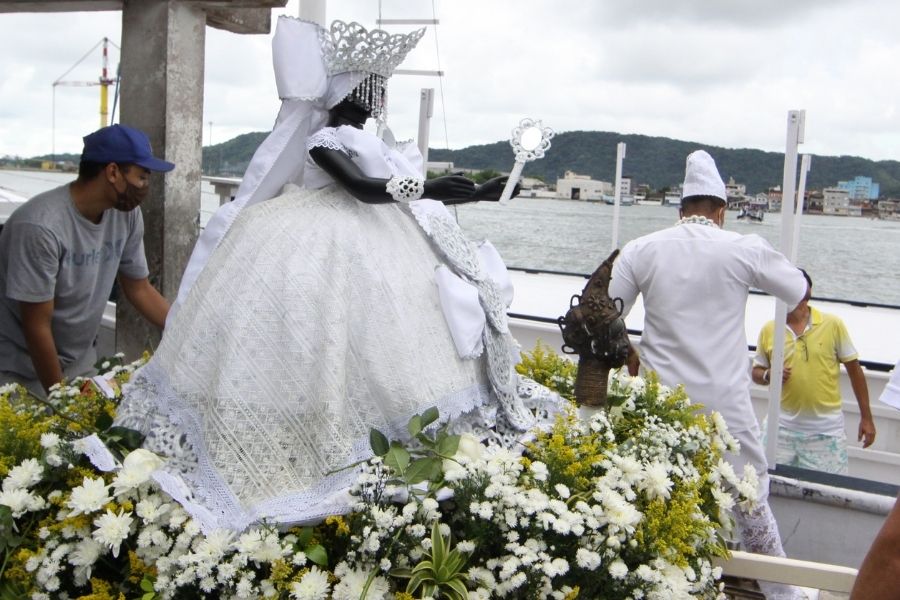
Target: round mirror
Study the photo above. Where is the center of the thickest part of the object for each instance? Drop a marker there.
(531, 138)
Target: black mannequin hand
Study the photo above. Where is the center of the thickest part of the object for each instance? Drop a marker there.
(449, 187)
(492, 189)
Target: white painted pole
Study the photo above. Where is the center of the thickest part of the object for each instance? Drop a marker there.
(801, 198)
(313, 10)
(426, 110)
(620, 155)
(795, 123)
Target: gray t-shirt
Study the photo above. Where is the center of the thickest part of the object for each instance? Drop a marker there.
(49, 251)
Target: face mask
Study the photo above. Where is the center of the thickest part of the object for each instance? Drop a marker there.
(131, 198)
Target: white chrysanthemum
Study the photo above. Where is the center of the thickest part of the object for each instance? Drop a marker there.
(18, 501)
(618, 569)
(656, 481)
(556, 567)
(352, 582)
(539, 471)
(49, 440)
(587, 559)
(86, 553)
(112, 529)
(23, 476)
(269, 550)
(722, 498)
(562, 490)
(151, 508)
(90, 496)
(453, 470)
(313, 586)
(249, 542)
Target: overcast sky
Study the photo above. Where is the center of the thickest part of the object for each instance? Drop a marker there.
(720, 72)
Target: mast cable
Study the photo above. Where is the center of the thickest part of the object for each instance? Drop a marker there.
(437, 50)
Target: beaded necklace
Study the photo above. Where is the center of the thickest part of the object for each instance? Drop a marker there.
(696, 220)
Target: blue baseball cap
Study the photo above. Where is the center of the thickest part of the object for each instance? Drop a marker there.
(122, 144)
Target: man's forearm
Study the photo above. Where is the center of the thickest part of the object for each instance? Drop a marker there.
(42, 350)
(860, 388)
(881, 564)
(760, 375)
(146, 299)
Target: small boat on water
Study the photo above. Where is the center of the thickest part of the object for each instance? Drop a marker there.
(748, 215)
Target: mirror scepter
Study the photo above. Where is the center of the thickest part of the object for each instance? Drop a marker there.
(530, 140)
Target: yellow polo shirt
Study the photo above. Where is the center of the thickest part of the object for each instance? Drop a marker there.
(811, 398)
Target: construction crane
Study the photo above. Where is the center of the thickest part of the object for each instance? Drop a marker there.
(104, 82)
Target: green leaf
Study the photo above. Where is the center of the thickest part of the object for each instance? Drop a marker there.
(131, 439)
(149, 596)
(425, 440)
(103, 422)
(437, 545)
(397, 458)
(378, 442)
(429, 416)
(414, 426)
(426, 566)
(455, 561)
(459, 587)
(147, 585)
(402, 573)
(318, 555)
(423, 469)
(448, 445)
(422, 577)
(305, 536)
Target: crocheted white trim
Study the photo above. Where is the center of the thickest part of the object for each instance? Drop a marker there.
(405, 189)
(325, 138)
(96, 452)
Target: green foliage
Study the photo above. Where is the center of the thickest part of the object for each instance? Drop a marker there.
(423, 460)
(549, 369)
(440, 573)
(480, 177)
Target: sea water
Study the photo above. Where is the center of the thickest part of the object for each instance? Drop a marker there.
(848, 258)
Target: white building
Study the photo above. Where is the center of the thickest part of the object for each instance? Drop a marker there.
(735, 190)
(836, 201)
(581, 187)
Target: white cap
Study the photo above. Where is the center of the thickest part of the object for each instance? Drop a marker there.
(701, 178)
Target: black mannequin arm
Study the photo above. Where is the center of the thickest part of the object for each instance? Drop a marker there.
(450, 189)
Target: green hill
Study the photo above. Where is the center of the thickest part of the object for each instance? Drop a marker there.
(657, 161)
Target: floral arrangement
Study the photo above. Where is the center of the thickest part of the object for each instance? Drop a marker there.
(628, 503)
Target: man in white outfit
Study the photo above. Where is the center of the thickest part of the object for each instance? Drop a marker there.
(695, 278)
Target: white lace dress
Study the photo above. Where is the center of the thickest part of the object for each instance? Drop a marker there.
(317, 318)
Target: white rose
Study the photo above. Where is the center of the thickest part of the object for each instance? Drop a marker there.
(142, 461)
(469, 447)
(138, 466)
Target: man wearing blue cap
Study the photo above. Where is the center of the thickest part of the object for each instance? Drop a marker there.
(60, 254)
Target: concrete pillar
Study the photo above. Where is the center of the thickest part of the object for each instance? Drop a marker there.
(162, 94)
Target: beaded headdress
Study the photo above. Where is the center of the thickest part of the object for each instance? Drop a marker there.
(351, 47)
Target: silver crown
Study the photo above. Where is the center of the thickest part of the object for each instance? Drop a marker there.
(351, 47)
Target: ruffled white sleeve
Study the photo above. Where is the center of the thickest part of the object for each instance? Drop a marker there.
(325, 138)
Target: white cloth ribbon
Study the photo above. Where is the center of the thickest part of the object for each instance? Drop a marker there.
(461, 306)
